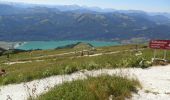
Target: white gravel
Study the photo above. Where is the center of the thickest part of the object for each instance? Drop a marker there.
(155, 82)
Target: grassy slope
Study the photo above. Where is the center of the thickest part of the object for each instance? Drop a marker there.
(68, 63)
(33, 54)
(98, 88)
(38, 53)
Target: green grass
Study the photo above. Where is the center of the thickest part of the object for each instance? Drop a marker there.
(68, 64)
(32, 55)
(98, 88)
(36, 70)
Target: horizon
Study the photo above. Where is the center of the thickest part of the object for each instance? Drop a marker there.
(161, 6)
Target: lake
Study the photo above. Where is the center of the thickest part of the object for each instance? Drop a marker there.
(44, 45)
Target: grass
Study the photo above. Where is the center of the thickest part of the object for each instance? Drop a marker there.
(32, 55)
(25, 72)
(93, 88)
(36, 70)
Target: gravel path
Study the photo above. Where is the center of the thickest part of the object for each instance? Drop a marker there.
(155, 82)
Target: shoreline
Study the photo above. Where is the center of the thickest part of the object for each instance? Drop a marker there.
(45, 45)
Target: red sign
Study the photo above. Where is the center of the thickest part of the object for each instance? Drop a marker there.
(160, 44)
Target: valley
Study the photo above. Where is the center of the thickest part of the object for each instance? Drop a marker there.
(82, 50)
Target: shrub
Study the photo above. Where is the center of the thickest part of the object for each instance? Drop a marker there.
(93, 88)
(92, 65)
(144, 64)
(46, 73)
(70, 69)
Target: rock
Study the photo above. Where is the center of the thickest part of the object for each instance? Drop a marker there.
(2, 72)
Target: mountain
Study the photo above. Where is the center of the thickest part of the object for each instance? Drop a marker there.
(27, 23)
(164, 14)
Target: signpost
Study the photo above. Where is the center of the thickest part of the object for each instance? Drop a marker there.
(160, 44)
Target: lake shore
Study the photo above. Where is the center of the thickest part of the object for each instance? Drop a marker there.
(44, 45)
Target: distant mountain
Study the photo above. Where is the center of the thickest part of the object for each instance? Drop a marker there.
(164, 14)
(32, 22)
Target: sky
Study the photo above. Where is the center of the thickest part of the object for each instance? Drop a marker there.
(145, 5)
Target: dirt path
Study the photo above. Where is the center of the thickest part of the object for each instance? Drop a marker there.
(62, 54)
(155, 82)
(37, 58)
(22, 62)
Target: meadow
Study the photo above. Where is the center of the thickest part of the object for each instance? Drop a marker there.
(47, 63)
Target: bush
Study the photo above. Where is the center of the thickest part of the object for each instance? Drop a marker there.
(70, 69)
(8, 80)
(93, 88)
(144, 64)
(92, 65)
(46, 73)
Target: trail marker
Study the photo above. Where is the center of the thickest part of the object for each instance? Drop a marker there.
(160, 44)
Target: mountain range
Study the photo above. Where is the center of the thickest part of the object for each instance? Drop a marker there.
(24, 22)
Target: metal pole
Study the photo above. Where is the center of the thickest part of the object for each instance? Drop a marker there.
(154, 55)
(165, 53)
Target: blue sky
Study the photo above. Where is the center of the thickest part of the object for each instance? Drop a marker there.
(146, 5)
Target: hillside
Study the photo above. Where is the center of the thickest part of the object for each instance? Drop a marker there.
(34, 72)
(78, 46)
(19, 23)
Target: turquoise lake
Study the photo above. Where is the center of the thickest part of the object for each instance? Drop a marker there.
(44, 45)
